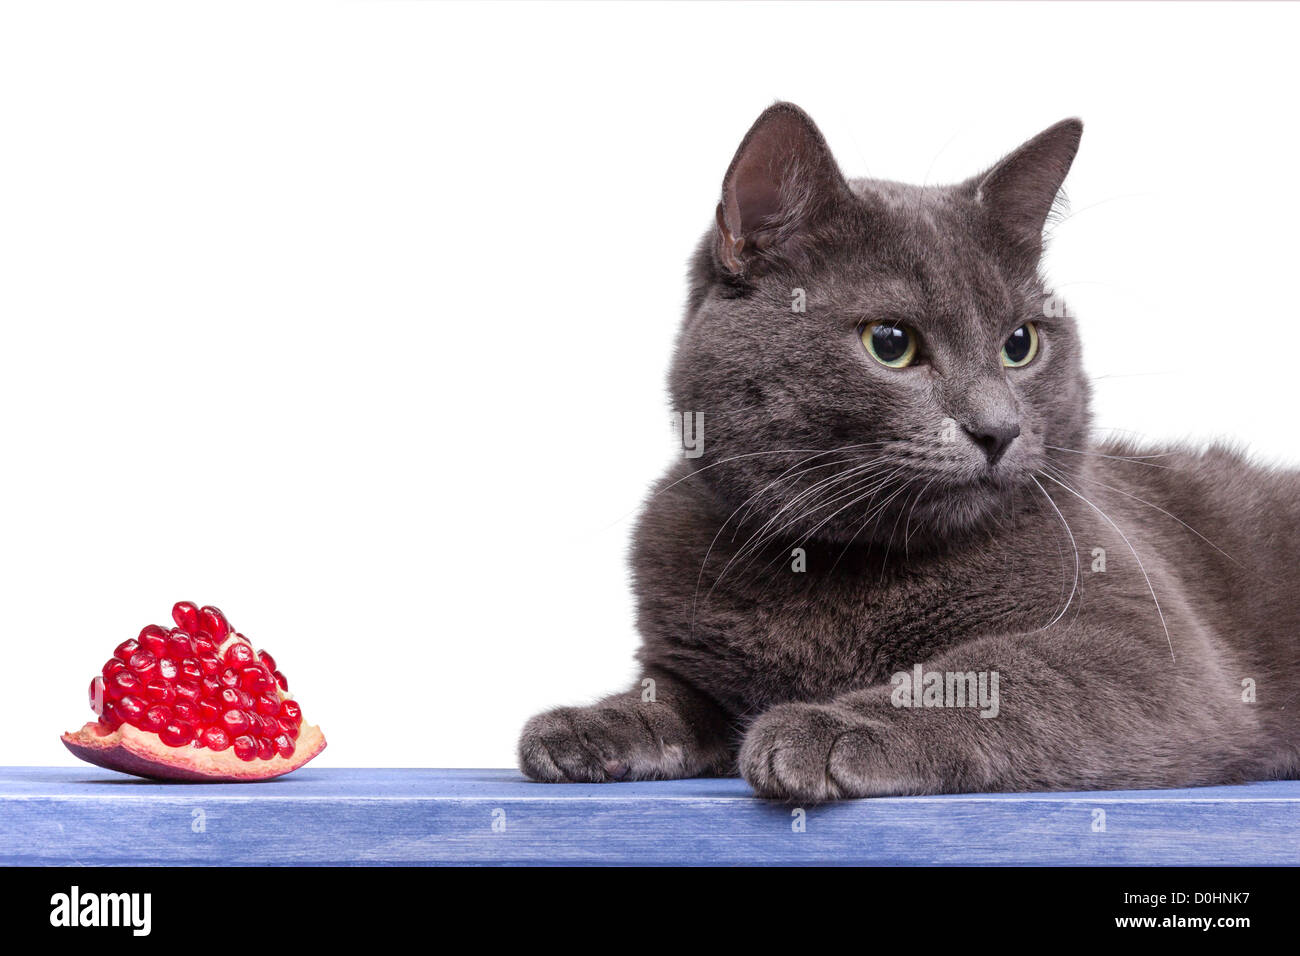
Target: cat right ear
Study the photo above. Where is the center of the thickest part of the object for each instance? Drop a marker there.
(781, 181)
(1020, 191)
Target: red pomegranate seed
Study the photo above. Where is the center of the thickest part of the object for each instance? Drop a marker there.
(109, 717)
(256, 679)
(214, 738)
(245, 747)
(187, 691)
(266, 705)
(265, 749)
(284, 745)
(123, 682)
(176, 733)
(112, 666)
(288, 728)
(290, 711)
(131, 709)
(235, 721)
(96, 694)
(144, 663)
(125, 650)
(154, 639)
(203, 647)
(266, 659)
(159, 691)
(167, 669)
(214, 623)
(282, 681)
(239, 655)
(156, 717)
(231, 698)
(187, 711)
(179, 645)
(191, 670)
(210, 665)
(229, 677)
(186, 616)
(208, 712)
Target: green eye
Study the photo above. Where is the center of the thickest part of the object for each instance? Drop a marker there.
(890, 345)
(1021, 346)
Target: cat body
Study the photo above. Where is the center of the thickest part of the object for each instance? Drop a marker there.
(909, 571)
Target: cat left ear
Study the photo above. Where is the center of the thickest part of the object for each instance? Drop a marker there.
(781, 181)
(1020, 190)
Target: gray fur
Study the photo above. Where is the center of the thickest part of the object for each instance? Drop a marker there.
(933, 556)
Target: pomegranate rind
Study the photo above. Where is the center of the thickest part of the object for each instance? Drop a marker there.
(131, 750)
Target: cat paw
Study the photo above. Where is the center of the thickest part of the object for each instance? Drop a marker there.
(814, 753)
(597, 744)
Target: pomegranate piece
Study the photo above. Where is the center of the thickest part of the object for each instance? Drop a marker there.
(194, 702)
(186, 616)
(213, 623)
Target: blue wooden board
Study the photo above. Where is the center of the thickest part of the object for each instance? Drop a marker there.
(88, 816)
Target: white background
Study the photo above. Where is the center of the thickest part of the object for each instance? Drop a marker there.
(353, 319)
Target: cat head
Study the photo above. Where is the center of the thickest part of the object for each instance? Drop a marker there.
(865, 350)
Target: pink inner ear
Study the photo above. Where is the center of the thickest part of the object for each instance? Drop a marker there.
(755, 196)
(780, 172)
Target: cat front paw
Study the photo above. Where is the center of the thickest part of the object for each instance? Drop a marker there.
(597, 744)
(817, 752)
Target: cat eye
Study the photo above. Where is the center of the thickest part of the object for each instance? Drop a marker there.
(1021, 346)
(891, 345)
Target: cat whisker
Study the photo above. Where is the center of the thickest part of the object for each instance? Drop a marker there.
(890, 543)
(1078, 476)
(858, 530)
(841, 476)
(865, 477)
(754, 545)
(743, 513)
(860, 473)
(752, 498)
(865, 496)
(1073, 547)
(907, 528)
(1057, 221)
(1136, 556)
(812, 493)
(783, 475)
(1135, 459)
(751, 454)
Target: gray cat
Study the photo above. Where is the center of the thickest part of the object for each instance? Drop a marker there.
(899, 565)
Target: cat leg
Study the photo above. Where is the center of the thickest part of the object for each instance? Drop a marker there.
(1077, 708)
(661, 729)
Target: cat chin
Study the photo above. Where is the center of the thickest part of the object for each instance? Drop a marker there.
(951, 514)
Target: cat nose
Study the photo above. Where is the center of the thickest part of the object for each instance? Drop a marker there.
(993, 438)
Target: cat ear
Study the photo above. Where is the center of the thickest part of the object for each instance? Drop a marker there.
(1020, 190)
(781, 181)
